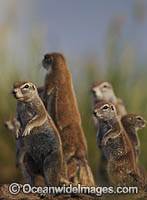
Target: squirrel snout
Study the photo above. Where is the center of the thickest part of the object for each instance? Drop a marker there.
(93, 92)
(94, 112)
(6, 125)
(14, 93)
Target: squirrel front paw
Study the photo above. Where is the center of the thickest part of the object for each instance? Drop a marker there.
(18, 133)
(26, 132)
(104, 142)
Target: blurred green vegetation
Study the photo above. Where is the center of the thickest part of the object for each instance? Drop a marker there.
(129, 82)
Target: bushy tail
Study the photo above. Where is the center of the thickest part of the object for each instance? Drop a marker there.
(85, 175)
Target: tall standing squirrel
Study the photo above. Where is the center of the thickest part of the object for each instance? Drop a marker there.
(103, 91)
(132, 123)
(13, 125)
(60, 101)
(42, 150)
(114, 142)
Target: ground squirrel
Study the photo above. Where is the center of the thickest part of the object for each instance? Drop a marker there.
(42, 144)
(132, 123)
(10, 123)
(103, 91)
(13, 125)
(60, 102)
(115, 144)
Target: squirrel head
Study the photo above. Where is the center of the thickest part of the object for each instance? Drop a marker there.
(103, 91)
(24, 91)
(52, 60)
(134, 120)
(105, 111)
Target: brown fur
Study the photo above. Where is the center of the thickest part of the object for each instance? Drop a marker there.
(46, 156)
(60, 101)
(105, 94)
(10, 123)
(115, 143)
(132, 123)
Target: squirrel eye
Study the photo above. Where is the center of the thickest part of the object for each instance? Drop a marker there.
(26, 86)
(139, 118)
(105, 86)
(105, 107)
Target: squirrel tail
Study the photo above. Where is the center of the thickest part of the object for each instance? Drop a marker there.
(85, 175)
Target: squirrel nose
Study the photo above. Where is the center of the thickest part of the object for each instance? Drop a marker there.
(14, 93)
(93, 92)
(6, 125)
(94, 112)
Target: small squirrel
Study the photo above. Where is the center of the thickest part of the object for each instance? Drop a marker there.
(115, 144)
(132, 123)
(13, 125)
(42, 149)
(103, 91)
(10, 123)
(60, 102)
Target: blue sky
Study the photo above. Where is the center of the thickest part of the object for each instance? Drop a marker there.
(75, 26)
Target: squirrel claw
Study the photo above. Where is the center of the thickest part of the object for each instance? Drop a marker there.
(26, 132)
